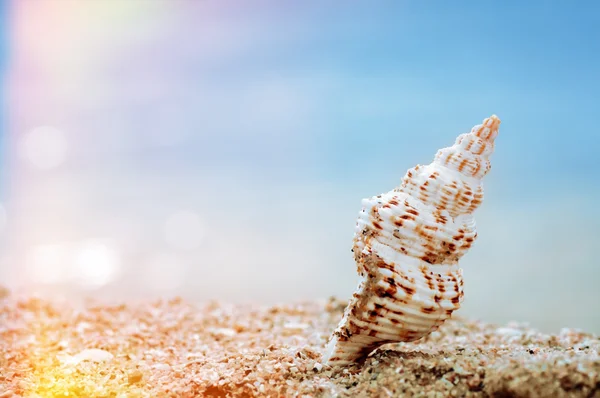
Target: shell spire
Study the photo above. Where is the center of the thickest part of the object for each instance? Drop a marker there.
(407, 244)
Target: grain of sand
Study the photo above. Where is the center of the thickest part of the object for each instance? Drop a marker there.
(173, 348)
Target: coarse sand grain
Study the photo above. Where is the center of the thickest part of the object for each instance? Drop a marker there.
(173, 348)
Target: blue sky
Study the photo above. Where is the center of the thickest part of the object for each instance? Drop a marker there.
(402, 73)
(405, 73)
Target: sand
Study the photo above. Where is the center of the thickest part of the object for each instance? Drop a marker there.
(173, 348)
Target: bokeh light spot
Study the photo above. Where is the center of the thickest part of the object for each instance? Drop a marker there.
(95, 264)
(184, 230)
(44, 147)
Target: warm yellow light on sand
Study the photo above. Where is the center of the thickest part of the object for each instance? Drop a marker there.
(44, 147)
(73, 376)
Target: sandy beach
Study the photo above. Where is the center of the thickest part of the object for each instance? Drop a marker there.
(173, 348)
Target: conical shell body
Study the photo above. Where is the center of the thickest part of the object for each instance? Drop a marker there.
(407, 245)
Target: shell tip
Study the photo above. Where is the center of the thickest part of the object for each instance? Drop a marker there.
(488, 130)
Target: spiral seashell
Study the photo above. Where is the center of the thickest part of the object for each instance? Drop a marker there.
(407, 245)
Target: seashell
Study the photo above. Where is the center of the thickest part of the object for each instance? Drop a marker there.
(407, 245)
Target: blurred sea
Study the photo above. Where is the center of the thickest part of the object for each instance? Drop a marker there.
(220, 151)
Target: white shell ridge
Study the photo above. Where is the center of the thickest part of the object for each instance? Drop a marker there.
(407, 244)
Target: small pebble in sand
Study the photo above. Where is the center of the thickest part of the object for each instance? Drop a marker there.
(93, 355)
(134, 377)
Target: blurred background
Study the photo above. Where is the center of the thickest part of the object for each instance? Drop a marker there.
(220, 150)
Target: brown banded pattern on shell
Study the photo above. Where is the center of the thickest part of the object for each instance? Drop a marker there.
(407, 245)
